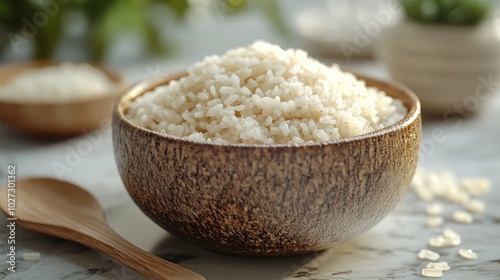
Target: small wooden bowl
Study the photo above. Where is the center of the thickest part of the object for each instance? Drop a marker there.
(57, 119)
(267, 200)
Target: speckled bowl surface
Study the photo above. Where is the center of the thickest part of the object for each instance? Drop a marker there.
(267, 200)
(57, 119)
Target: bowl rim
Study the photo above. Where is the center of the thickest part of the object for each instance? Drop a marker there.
(141, 87)
(116, 77)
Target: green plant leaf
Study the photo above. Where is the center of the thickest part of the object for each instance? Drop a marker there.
(47, 38)
(271, 9)
(154, 42)
(19, 10)
(179, 7)
(237, 5)
(122, 15)
(102, 30)
(447, 11)
(94, 9)
(98, 45)
(5, 11)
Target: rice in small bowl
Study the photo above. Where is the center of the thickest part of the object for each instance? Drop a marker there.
(265, 151)
(263, 94)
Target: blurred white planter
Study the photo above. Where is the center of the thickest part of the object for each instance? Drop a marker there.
(448, 67)
(345, 28)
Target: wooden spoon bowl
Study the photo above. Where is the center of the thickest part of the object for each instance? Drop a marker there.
(64, 210)
(267, 200)
(57, 119)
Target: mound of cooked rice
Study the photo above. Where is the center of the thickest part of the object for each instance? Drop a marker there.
(262, 94)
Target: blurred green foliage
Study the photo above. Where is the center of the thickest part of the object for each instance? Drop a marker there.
(107, 18)
(454, 12)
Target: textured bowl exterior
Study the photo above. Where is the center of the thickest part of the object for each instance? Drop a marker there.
(266, 200)
(57, 119)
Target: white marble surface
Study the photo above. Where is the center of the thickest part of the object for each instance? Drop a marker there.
(387, 251)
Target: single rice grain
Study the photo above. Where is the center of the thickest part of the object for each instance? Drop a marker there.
(462, 217)
(428, 254)
(438, 265)
(31, 256)
(64, 82)
(467, 254)
(434, 221)
(431, 272)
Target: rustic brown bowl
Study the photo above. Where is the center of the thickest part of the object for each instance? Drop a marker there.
(57, 119)
(267, 200)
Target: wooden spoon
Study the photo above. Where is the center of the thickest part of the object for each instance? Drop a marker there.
(64, 210)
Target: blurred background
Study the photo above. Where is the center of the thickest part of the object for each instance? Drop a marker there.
(425, 44)
(131, 31)
(446, 51)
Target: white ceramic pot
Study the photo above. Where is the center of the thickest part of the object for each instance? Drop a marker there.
(345, 28)
(450, 68)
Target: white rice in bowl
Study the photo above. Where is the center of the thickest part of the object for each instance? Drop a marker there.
(262, 94)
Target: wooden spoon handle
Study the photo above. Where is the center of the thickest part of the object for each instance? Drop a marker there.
(101, 237)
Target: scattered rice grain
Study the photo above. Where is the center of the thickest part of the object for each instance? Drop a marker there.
(462, 217)
(431, 272)
(434, 209)
(438, 241)
(467, 253)
(439, 265)
(450, 234)
(445, 185)
(476, 206)
(434, 221)
(428, 255)
(31, 256)
(476, 186)
(452, 238)
(441, 241)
